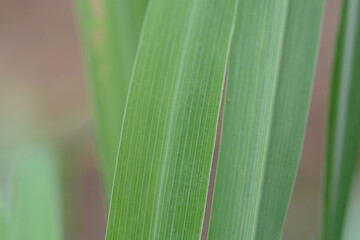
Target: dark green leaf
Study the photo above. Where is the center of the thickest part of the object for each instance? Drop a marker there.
(344, 122)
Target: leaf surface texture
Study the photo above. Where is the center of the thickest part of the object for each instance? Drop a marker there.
(169, 129)
(273, 56)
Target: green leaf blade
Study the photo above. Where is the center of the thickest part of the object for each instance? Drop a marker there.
(169, 129)
(343, 122)
(110, 32)
(270, 78)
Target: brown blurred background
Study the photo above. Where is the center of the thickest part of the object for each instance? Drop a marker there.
(42, 78)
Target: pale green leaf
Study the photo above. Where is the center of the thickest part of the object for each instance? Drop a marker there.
(352, 218)
(3, 217)
(110, 32)
(170, 124)
(271, 70)
(344, 122)
(35, 207)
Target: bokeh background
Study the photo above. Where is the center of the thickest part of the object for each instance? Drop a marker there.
(43, 92)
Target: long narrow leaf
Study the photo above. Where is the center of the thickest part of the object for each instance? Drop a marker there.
(344, 122)
(271, 72)
(110, 30)
(170, 124)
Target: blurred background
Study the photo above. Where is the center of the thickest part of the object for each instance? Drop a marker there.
(44, 100)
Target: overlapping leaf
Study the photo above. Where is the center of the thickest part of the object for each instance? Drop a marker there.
(110, 30)
(169, 129)
(271, 70)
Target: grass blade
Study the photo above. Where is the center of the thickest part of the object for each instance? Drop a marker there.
(110, 30)
(35, 201)
(271, 72)
(344, 122)
(169, 129)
